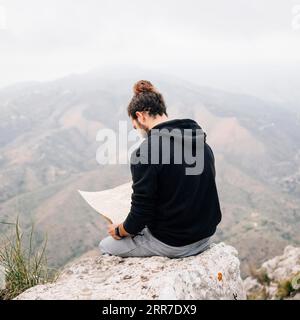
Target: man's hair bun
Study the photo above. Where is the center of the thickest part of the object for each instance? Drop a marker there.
(146, 98)
(143, 86)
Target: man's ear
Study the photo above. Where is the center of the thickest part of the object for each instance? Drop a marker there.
(140, 115)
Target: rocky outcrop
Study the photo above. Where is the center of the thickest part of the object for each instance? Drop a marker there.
(278, 278)
(213, 274)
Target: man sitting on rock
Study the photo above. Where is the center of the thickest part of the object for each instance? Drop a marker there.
(174, 205)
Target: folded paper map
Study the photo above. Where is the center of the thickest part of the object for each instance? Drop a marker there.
(113, 204)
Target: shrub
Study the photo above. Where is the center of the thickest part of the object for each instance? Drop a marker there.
(261, 275)
(288, 287)
(25, 266)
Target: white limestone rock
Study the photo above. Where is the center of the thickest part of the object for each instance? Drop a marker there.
(277, 271)
(283, 266)
(213, 274)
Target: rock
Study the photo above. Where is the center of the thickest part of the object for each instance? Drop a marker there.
(282, 267)
(279, 277)
(254, 290)
(296, 297)
(252, 285)
(2, 278)
(213, 274)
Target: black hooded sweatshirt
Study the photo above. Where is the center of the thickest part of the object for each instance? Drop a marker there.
(178, 208)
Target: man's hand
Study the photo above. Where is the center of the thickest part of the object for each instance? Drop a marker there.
(123, 232)
(111, 231)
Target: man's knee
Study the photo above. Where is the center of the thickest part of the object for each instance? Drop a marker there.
(104, 245)
(126, 247)
(116, 247)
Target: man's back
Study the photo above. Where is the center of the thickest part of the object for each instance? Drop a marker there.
(177, 207)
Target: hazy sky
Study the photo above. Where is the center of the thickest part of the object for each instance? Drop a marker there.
(207, 41)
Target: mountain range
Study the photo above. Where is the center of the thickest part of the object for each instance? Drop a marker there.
(48, 151)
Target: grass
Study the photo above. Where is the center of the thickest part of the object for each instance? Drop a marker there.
(288, 287)
(25, 266)
(260, 274)
(258, 295)
(263, 279)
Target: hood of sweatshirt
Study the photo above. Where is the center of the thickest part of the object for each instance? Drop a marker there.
(180, 124)
(178, 141)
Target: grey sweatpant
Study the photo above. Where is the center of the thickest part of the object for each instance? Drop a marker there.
(144, 244)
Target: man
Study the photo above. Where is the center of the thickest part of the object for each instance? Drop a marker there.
(174, 212)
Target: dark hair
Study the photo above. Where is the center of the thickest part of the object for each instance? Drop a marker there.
(146, 98)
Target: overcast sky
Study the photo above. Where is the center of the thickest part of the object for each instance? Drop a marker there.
(46, 39)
